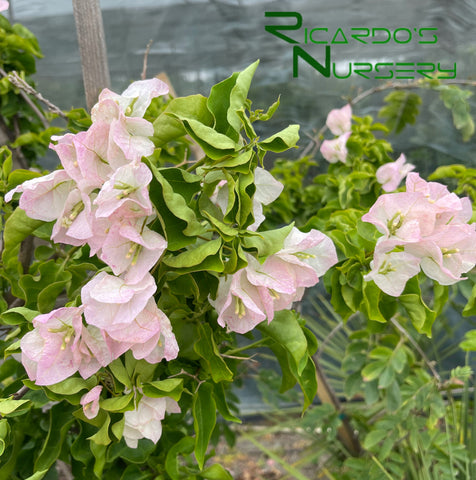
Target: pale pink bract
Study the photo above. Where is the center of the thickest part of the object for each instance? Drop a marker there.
(335, 150)
(90, 402)
(391, 174)
(339, 120)
(146, 420)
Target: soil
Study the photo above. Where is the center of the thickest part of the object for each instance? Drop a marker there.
(277, 453)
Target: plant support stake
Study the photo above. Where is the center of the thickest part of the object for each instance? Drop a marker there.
(92, 48)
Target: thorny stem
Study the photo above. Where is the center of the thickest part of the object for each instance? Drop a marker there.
(25, 90)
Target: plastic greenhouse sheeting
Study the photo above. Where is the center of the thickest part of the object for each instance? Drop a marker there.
(200, 42)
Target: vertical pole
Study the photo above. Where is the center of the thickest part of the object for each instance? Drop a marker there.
(92, 48)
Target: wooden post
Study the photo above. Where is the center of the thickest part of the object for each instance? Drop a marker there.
(92, 48)
(345, 433)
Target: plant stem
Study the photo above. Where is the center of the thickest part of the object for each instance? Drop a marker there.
(258, 343)
(376, 460)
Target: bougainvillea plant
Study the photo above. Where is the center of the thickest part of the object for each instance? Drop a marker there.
(144, 273)
(136, 276)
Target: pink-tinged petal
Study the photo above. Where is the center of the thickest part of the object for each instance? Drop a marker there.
(391, 271)
(391, 174)
(130, 136)
(4, 5)
(43, 198)
(268, 190)
(74, 226)
(90, 402)
(447, 254)
(335, 150)
(339, 120)
(145, 420)
(143, 91)
(313, 249)
(109, 301)
(50, 345)
(145, 326)
(127, 250)
(275, 274)
(66, 151)
(238, 303)
(406, 215)
(94, 351)
(436, 194)
(106, 110)
(126, 193)
(167, 347)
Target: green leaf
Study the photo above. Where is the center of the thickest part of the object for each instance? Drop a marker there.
(373, 438)
(18, 315)
(196, 256)
(119, 371)
(73, 385)
(183, 446)
(267, 243)
(266, 116)
(178, 220)
(352, 384)
(394, 396)
(205, 346)
(204, 420)
(214, 144)
(288, 379)
(9, 406)
(37, 475)
(42, 289)
(218, 104)
(226, 231)
(6, 161)
(239, 94)
(229, 96)
(118, 428)
(61, 419)
(118, 404)
(222, 405)
(421, 315)
(455, 99)
(215, 472)
(401, 108)
(17, 227)
(387, 377)
(287, 332)
(168, 126)
(101, 437)
(281, 141)
(469, 342)
(373, 370)
(99, 452)
(245, 121)
(381, 353)
(170, 387)
(18, 176)
(371, 300)
(308, 382)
